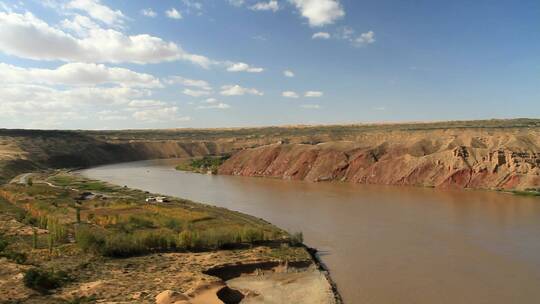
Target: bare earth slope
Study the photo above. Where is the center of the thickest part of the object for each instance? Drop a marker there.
(457, 158)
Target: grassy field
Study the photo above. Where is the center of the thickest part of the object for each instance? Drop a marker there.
(116, 221)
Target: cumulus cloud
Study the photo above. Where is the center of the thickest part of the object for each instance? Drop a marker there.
(212, 103)
(311, 106)
(27, 36)
(236, 3)
(243, 67)
(192, 4)
(319, 12)
(173, 13)
(196, 93)
(365, 38)
(34, 97)
(290, 94)
(321, 35)
(78, 74)
(201, 84)
(148, 12)
(236, 90)
(98, 11)
(145, 103)
(217, 105)
(79, 24)
(313, 94)
(108, 115)
(271, 5)
(165, 114)
(349, 34)
(288, 73)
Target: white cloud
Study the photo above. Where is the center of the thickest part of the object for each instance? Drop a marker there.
(196, 93)
(290, 94)
(321, 35)
(173, 13)
(26, 36)
(192, 4)
(34, 98)
(236, 90)
(243, 67)
(79, 24)
(319, 12)
(288, 73)
(271, 5)
(365, 38)
(311, 106)
(345, 33)
(212, 103)
(98, 11)
(349, 34)
(166, 114)
(108, 115)
(313, 94)
(189, 82)
(148, 12)
(236, 3)
(144, 103)
(219, 105)
(77, 74)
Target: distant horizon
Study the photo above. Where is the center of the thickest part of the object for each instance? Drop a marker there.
(380, 123)
(103, 64)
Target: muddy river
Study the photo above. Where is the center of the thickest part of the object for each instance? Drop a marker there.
(382, 244)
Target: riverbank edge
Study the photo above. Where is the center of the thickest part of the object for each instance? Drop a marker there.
(313, 252)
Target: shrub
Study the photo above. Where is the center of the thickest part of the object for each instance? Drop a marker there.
(120, 245)
(3, 243)
(185, 239)
(89, 240)
(250, 235)
(173, 224)
(34, 238)
(43, 280)
(296, 239)
(17, 257)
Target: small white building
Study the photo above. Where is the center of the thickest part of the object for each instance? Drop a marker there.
(157, 199)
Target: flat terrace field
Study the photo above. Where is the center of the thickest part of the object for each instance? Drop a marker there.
(335, 132)
(66, 239)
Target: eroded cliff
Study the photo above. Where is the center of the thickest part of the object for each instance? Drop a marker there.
(455, 158)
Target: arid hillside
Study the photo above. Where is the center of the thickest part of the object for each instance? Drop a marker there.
(471, 154)
(487, 158)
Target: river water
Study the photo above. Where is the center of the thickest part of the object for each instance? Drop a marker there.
(382, 244)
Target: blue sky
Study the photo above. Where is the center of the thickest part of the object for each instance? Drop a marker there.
(91, 64)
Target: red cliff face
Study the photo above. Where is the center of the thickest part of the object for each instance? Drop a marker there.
(444, 159)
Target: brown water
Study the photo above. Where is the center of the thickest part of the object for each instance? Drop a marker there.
(382, 244)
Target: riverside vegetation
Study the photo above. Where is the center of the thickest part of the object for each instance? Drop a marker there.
(61, 231)
(206, 164)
